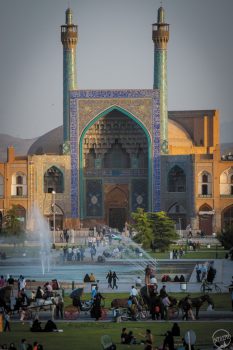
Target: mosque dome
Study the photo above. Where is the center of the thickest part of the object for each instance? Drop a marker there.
(49, 143)
(178, 136)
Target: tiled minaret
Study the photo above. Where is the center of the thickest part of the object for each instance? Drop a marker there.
(69, 39)
(160, 36)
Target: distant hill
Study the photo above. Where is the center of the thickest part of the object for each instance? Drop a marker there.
(21, 145)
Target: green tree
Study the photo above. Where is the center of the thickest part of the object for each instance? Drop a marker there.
(226, 237)
(12, 224)
(143, 226)
(155, 230)
(164, 232)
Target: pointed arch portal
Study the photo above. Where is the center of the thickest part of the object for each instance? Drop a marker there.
(114, 154)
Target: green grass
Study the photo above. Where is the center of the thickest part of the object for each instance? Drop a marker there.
(200, 254)
(85, 336)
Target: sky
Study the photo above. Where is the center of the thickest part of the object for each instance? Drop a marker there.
(115, 50)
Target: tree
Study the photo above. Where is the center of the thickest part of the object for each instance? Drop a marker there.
(226, 237)
(12, 224)
(155, 230)
(164, 232)
(143, 227)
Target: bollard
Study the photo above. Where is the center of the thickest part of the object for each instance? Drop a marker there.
(72, 285)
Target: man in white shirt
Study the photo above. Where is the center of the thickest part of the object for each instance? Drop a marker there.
(133, 292)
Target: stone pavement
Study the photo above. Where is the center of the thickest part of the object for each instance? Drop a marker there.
(223, 279)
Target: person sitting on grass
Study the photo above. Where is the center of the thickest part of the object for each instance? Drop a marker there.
(50, 326)
(148, 345)
(168, 341)
(130, 338)
(36, 326)
(148, 337)
(124, 335)
(175, 330)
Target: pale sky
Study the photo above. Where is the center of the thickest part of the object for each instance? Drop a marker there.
(115, 50)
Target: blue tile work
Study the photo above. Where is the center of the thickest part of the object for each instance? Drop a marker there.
(160, 82)
(156, 156)
(139, 194)
(94, 201)
(74, 157)
(74, 138)
(69, 83)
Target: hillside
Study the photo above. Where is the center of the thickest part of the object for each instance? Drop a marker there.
(21, 145)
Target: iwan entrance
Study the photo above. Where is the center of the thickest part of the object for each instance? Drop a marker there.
(114, 176)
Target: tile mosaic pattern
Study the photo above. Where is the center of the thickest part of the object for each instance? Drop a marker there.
(154, 187)
(139, 194)
(69, 83)
(160, 82)
(94, 200)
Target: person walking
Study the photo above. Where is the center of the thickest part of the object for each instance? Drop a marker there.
(109, 279)
(59, 307)
(198, 272)
(114, 280)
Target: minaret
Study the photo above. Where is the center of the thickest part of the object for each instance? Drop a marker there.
(160, 36)
(69, 39)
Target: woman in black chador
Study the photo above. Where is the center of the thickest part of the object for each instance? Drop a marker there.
(109, 278)
(114, 280)
(96, 306)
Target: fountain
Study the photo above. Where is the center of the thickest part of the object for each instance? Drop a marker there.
(128, 263)
(42, 233)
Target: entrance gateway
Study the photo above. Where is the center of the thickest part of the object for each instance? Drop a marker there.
(115, 158)
(117, 218)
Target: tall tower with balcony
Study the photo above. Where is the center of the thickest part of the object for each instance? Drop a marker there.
(160, 36)
(69, 39)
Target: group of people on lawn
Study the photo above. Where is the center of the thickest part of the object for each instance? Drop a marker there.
(127, 337)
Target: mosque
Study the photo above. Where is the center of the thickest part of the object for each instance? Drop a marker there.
(120, 150)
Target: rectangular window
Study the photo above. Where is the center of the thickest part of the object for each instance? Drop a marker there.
(19, 191)
(204, 190)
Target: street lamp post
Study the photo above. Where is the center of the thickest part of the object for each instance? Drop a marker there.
(54, 217)
(180, 233)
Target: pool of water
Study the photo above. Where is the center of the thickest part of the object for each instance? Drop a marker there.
(127, 270)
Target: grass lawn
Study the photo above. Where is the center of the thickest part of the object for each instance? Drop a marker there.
(85, 336)
(200, 254)
(221, 301)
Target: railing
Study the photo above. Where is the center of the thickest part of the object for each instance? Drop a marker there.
(205, 195)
